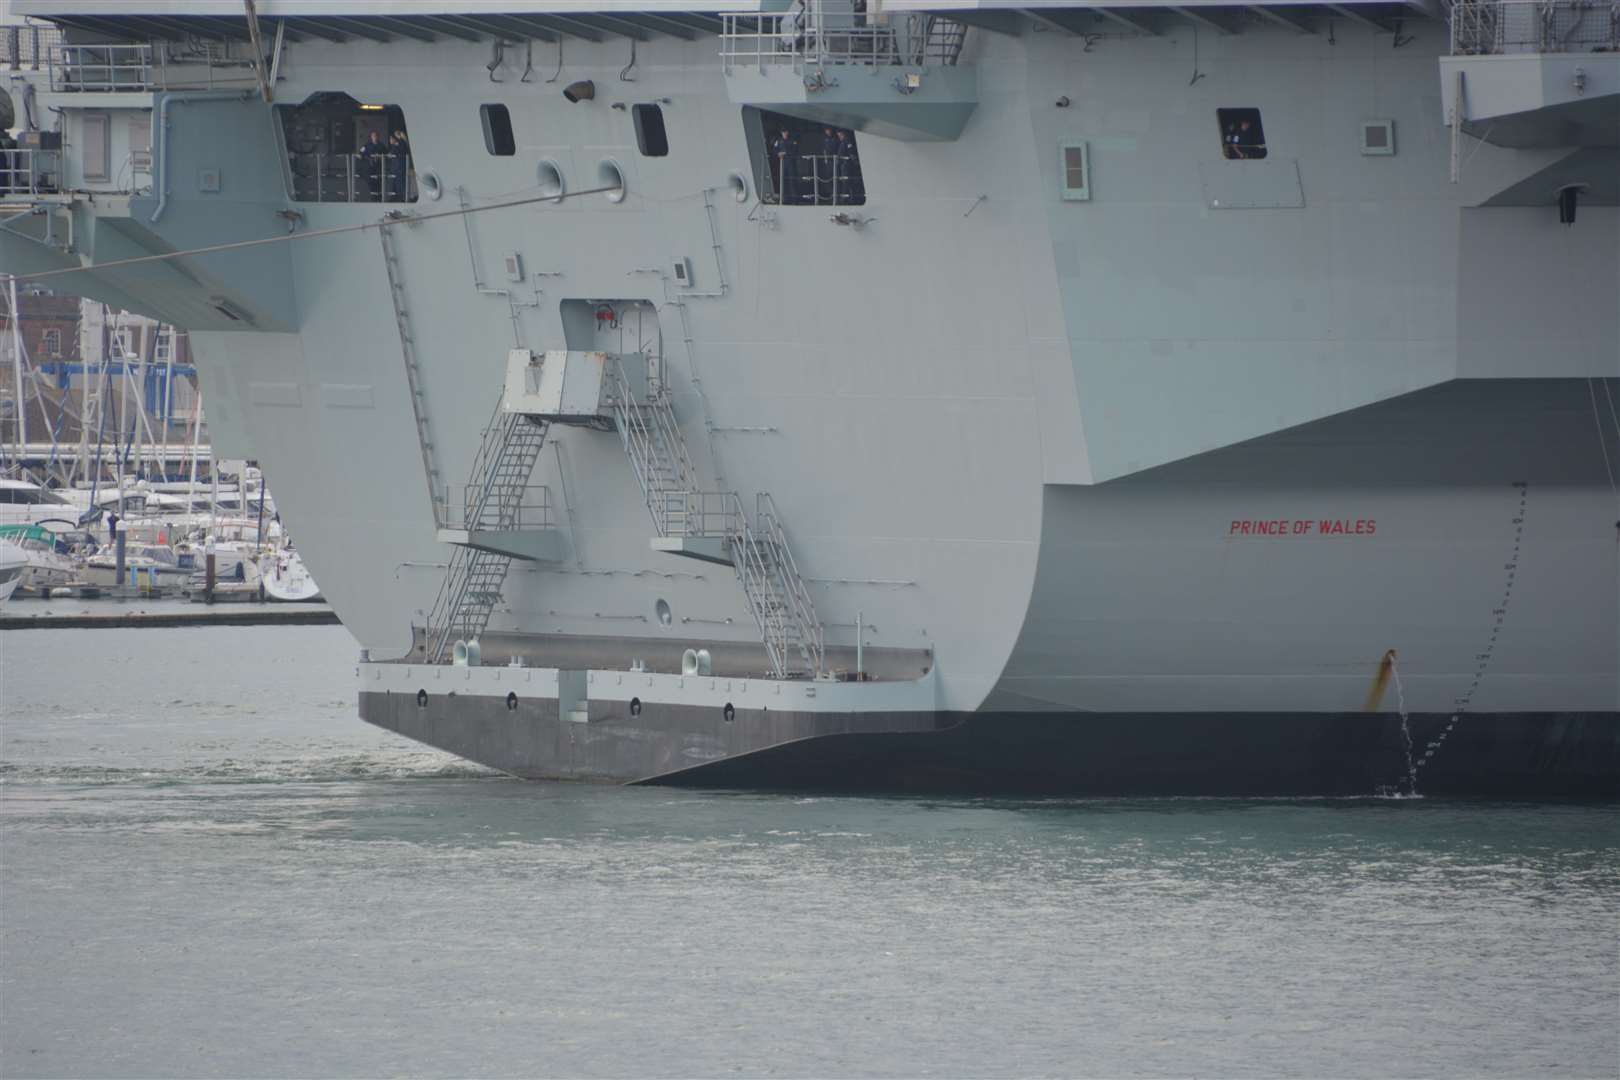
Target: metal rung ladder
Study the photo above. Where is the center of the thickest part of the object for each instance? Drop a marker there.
(413, 373)
(474, 580)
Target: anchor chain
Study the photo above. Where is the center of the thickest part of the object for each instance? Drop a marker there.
(1483, 659)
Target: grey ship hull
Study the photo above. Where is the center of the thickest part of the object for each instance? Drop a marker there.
(1191, 480)
(1496, 496)
(1077, 755)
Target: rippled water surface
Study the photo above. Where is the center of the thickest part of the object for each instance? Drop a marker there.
(209, 866)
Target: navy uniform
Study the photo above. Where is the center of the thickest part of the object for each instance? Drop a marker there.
(785, 167)
(371, 155)
(398, 155)
(851, 187)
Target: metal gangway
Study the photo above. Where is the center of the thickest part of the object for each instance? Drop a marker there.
(498, 498)
(758, 550)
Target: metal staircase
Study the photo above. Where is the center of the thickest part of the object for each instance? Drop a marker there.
(413, 373)
(776, 592)
(758, 550)
(494, 501)
(652, 440)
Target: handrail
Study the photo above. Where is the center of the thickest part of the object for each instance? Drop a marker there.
(804, 608)
(126, 67)
(808, 36)
(352, 178)
(652, 440)
(30, 172)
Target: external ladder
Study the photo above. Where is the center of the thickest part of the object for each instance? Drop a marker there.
(493, 503)
(758, 550)
(413, 373)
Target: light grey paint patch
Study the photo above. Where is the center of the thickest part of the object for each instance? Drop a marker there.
(282, 394)
(346, 396)
(1272, 184)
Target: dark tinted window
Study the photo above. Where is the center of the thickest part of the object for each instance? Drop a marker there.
(802, 163)
(343, 150)
(1241, 134)
(651, 137)
(498, 130)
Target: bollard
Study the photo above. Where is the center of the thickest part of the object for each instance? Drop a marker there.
(118, 557)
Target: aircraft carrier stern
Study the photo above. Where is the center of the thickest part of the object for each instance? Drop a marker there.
(1068, 398)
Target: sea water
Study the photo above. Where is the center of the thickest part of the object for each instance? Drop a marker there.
(209, 866)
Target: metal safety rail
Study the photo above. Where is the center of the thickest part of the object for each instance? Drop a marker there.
(1493, 27)
(810, 37)
(801, 629)
(353, 178)
(772, 585)
(30, 172)
(653, 442)
(497, 494)
(142, 68)
(818, 180)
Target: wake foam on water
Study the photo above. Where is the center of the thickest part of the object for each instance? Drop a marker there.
(407, 765)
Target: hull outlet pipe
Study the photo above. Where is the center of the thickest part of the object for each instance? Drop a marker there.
(163, 134)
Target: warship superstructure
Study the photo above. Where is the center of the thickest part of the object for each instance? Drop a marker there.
(910, 394)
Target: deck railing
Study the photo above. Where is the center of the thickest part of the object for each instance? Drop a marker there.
(30, 172)
(353, 178)
(1491, 27)
(810, 37)
(142, 68)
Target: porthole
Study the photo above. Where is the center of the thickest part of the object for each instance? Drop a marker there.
(511, 702)
(421, 699)
(729, 712)
(610, 176)
(550, 176)
(635, 706)
(739, 187)
(429, 184)
(661, 610)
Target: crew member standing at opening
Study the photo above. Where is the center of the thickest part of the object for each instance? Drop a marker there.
(1248, 140)
(398, 154)
(784, 166)
(371, 155)
(847, 170)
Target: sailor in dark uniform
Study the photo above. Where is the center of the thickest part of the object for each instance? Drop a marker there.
(1229, 140)
(850, 186)
(398, 155)
(785, 167)
(370, 165)
(818, 150)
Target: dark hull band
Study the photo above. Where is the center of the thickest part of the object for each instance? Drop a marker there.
(1490, 755)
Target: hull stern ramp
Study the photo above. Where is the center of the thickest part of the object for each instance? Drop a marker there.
(503, 517)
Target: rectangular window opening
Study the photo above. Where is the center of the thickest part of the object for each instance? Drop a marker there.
(339, 150)
(1075, 164)
(94, 155)
(651, 137)
(802, 163)
(498, 138)
(1242, 136)
(53, 343)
